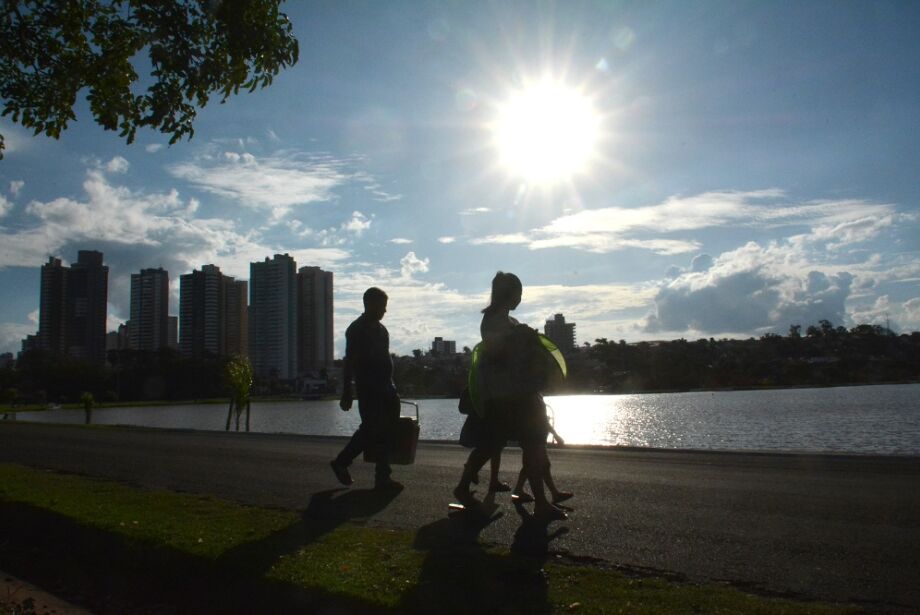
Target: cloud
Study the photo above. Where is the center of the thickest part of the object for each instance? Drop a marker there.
(16, 187)
(153, 148)
(512, 238)
(411, 264)
(400, 241)
(447, 239)
(357, 224)
(137, 229)
(117, 165)
(5, 206)
(748, 290)
(837, 223)
(12, 334)
(475, 210)
(277, 182)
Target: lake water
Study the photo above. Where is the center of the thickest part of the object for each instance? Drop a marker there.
(881, 419)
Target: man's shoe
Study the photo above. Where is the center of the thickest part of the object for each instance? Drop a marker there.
(388, 485)
(341, 473)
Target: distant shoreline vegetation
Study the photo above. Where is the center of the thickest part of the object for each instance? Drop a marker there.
(822, 356)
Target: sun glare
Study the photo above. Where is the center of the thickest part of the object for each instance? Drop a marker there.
(546, 133)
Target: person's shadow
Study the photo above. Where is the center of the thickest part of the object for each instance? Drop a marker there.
(326, 511)
(461, 574)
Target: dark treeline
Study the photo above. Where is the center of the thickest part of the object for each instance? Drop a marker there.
(43, 377)
(821, 355)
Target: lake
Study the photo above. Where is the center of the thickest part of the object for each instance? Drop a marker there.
(882, 419)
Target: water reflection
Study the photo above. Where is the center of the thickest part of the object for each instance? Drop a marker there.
(875, 419)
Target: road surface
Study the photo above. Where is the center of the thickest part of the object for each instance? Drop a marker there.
(828, 527)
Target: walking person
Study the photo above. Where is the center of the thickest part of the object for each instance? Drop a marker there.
(368, 362)
(513, 407)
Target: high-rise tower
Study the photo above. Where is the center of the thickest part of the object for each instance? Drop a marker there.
(149, 324)
(273, 317)
(212, 314)
(314, 320)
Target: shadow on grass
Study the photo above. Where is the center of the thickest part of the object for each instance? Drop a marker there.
(461, 575)
(110, 573)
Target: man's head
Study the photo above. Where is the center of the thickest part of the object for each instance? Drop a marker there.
(375, 303)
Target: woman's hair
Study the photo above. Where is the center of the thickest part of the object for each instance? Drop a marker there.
(506, 288)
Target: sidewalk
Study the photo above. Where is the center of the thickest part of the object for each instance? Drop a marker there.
(14, 593)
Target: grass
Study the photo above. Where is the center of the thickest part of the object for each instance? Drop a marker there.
(181, 549)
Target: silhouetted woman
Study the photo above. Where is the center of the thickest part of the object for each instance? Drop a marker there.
(510, 394)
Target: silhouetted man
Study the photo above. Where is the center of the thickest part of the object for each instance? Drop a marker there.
(368, 362)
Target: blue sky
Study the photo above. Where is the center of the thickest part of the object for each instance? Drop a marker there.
(754, 166)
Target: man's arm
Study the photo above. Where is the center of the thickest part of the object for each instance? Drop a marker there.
(347, 375)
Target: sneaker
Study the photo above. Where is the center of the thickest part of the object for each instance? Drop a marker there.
(341, 473)
(562, 496)
(499, 486)
(464, 496)
(388, 485)
(521, 498)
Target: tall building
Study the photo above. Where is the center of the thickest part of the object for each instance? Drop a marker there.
(443, 347)
(561, 332)
(212, 314)
(314, 320)
(149, 324)
(236, 308)
(273, 317)
(52, 312)
(73, 307)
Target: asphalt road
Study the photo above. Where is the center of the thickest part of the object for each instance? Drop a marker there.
(829, 527)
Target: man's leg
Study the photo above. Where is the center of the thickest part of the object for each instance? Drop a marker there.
(387, 416)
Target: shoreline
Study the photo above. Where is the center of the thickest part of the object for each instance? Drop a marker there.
(597, 448)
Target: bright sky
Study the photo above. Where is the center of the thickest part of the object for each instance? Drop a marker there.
(651, 170)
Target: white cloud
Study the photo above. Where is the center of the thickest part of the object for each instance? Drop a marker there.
(153, 148)
(837, 223)
(5, 206)
(411, 264)
(447, 239)
(475, 210)
(138, 229)
(512, 238)
(117, 165)
(400, 241)
(16, 187)
(12, 334)
(357, 224)
(277, 182)
(749, 290)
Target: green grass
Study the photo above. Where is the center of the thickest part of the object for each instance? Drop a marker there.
(423, 571)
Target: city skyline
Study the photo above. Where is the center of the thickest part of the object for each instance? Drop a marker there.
(717, 173)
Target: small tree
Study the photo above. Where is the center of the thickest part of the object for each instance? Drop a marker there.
(88, 402)
(239, 373)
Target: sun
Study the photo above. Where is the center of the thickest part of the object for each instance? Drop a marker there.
(546, 133)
